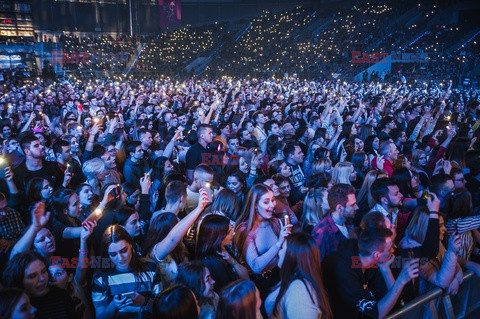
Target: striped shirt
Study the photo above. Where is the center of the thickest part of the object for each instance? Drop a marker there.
(108, 285)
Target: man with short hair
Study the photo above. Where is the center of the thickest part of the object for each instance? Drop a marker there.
(389, 154)
(294, 158)
(202, 178)
(360, 282)
(198, 153)
(36, 166)
(135, 165)
(388, 199)
(66, 163)
(145, 137)
(288, 131)
(175, 197)
(442, 185)
(458, 178)
(336, 227)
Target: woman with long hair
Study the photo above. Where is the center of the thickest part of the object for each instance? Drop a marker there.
(321, 165)
(344, 173)
(214, 237)
(128, 287)
(129, 219)
(163, 242)
(28, 271)
(360, 165)
(259, 236)
(38, 190)
(301, 293)
(239, 300)
(225, 204)
(364, 197)
(15, 304)
(176, 302)
(315, 207)
(197, 277)
(419, 161)
(65, 221)
(87, 200)
(371, 145)
(236, 183)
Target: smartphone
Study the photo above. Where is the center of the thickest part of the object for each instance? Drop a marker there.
(286, 219)
(130, 295)
(94, 216)
(3, 165)
(69, 168)
(38, 116)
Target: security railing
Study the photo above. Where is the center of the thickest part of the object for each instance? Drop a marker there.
(462, 305)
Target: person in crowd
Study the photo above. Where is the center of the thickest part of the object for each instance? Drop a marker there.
(388, 153)
(176, 302)
(301, 292)
(259, 236)
(315, 208)
(344, 173)
(238, 300)
(214, 240)
(28, 271)
(198, 153)
(163, 242)
(336, 227)
(14, 303)
(36, 166)
(116, 290)
(237, 184)
(294, 159)
(135, 165)
(196, 276)
(388, 199)
(95, 172)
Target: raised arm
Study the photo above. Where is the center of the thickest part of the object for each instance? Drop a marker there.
(163, 248)
(39, 220)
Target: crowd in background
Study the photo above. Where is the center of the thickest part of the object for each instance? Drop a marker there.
(304, 41)
(234, 197)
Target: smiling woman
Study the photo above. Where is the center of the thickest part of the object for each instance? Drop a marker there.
(28, 271)
(259, 236)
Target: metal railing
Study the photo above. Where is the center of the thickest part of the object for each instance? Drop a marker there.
(464, 303)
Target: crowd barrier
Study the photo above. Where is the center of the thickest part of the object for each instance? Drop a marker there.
(437, 304)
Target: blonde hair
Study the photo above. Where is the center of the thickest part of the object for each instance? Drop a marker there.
(365, 190)
(321, 165)
(417, 227)
(312, 206)
(341, 173)
(92, 167)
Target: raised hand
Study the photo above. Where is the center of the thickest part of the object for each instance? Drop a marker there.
(39, 216)
(433, 203)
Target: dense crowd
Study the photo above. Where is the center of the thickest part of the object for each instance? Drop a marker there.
(303, 41)
(234, 197)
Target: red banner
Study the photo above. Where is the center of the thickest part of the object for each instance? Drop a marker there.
(170, 13)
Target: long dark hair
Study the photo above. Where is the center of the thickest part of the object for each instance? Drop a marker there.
(238, 300)
(192, 274)
(160, 227)
(59, 204)
(176, 302)
(15, 271)
(226, 203)
(213, 229)
(458, 204)
(302, 262)
(34, 189)
(138, 265)
(403, 178)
